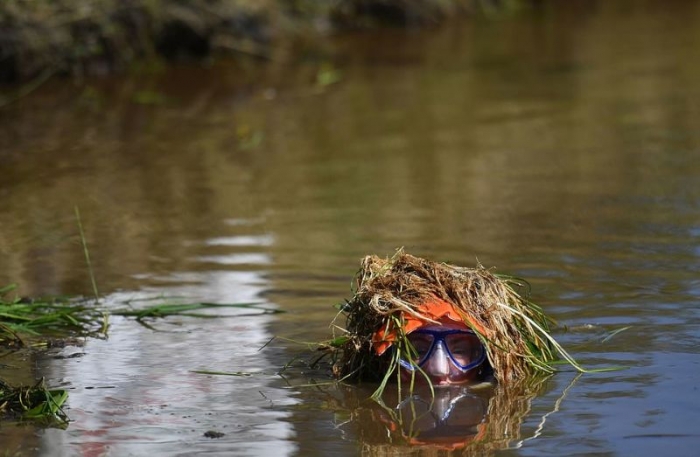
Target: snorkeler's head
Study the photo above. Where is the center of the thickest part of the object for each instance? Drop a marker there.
(446, 351)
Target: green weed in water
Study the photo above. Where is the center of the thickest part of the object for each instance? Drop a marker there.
(224, 373)
(188, 309)
(35, 403)
(32, 322)
(22, 320)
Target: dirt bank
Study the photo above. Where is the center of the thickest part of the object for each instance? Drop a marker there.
(39, 38)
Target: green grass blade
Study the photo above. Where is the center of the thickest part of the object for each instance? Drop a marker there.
(614, 332)
(224, 373)
(159, 311)
(87, 255)
(8, 288)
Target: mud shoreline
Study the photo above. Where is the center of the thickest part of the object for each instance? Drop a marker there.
(39, 39)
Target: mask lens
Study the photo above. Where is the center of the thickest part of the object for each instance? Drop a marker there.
(465, 348)
(421, 342)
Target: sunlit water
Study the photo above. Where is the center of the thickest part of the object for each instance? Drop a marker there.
(560, 145)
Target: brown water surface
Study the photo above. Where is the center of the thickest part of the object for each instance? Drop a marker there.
(560, 145)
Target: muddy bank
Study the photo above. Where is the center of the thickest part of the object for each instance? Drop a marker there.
(41, 38)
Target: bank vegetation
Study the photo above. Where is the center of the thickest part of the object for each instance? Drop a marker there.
(39, 38)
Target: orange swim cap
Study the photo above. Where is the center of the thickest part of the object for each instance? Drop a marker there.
(434, 309)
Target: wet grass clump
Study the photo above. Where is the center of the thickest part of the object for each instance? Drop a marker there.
(189, 309)
(41, 322)
(33, 403)
(26, 322)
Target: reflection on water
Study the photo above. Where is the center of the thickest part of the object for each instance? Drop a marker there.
(558, 144)
(137, 392)
(452, 419)
(474, 420)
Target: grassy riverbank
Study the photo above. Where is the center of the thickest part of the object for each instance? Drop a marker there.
(39, 38)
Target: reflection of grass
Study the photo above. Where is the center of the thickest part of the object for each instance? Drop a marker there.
(35, 402)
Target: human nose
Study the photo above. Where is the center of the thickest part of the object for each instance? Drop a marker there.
(439, 363)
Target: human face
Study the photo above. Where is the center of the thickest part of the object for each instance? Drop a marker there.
(449, 353)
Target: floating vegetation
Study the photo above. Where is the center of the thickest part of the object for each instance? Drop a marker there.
(243, 374)
(613, 333)
(55, 321)
(32, 321)
(389, 294)
(35, 403)
(49, 322)
(188, 309)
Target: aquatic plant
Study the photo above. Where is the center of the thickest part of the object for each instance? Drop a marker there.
(35, 322)
(36, 403)
(188, 309)
(163, 310)
(22, 320)
(45, 322)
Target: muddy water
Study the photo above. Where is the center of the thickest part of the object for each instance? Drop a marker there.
(560, 145)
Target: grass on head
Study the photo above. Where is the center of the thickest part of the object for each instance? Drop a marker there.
(514, 331)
